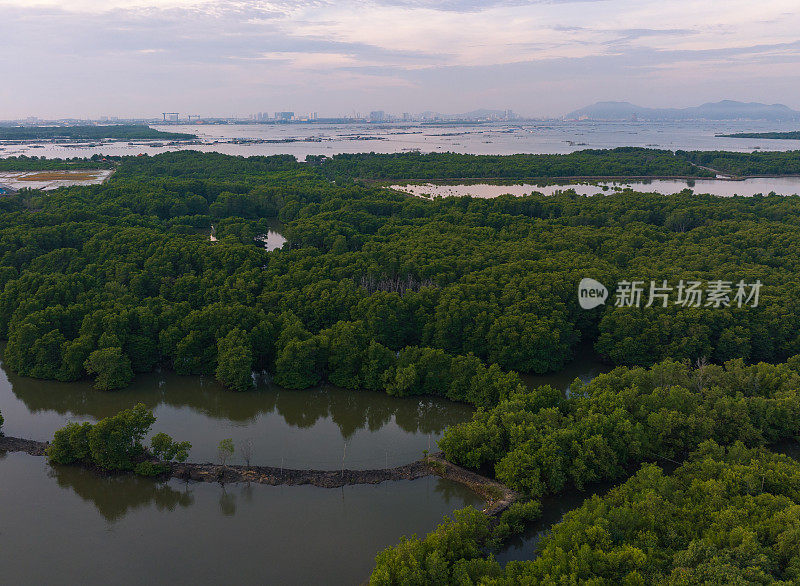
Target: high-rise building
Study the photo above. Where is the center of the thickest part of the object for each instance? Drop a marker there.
(284, 115)
(377, 116)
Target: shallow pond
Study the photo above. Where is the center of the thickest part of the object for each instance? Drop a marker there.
(68, 525)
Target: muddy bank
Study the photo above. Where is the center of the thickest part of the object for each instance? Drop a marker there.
(274, 476)
(15, 444)
(498, 496)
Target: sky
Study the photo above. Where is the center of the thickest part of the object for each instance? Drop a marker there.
(138, 58)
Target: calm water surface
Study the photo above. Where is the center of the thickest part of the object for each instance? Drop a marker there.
(296, 429)
(585, 367)
(68, 526)
(501, 138)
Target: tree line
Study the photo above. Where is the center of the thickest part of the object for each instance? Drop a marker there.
(89, 132)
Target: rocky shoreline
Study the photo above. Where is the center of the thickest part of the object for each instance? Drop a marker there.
(498, 496)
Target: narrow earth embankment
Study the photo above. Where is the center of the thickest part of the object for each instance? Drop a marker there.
(498, 496)
(15, 444)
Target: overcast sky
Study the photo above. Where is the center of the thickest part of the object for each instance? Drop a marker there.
(89, 58)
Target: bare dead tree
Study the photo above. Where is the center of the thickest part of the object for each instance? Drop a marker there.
(700, 367)
(246, 450)
(394, 284)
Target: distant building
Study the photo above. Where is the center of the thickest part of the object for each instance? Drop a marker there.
(284, 115)
(377, 116)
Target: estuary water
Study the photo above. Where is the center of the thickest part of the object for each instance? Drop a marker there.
(500, 138)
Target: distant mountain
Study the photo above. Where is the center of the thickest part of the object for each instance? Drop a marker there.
(724, 110)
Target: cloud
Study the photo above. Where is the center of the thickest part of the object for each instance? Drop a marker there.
(88, 57)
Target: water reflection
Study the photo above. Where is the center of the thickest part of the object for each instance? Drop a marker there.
(127, 530)
(307, 429)
(350, 410)
(116, 496)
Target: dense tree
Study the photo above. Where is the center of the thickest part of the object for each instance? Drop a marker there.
(166, 449)
(112, 367)
(235, 361)
(725, 517)
(541, 442)
(377, 289)
(115, 443)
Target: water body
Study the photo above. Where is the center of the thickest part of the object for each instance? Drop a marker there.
(488, 138)
(134, 530)
(321, 428)
(722, 188)
(69, 526)
(51, 179)
(272, 240)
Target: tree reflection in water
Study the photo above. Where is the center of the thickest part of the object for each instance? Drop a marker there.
(115, 496)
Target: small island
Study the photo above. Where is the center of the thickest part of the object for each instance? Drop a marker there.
(90, 132)
(795, 135)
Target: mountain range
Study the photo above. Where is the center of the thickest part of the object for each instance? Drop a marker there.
(724, 110)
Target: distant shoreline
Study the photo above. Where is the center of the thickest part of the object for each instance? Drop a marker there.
(794, 135)
(575, 178)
